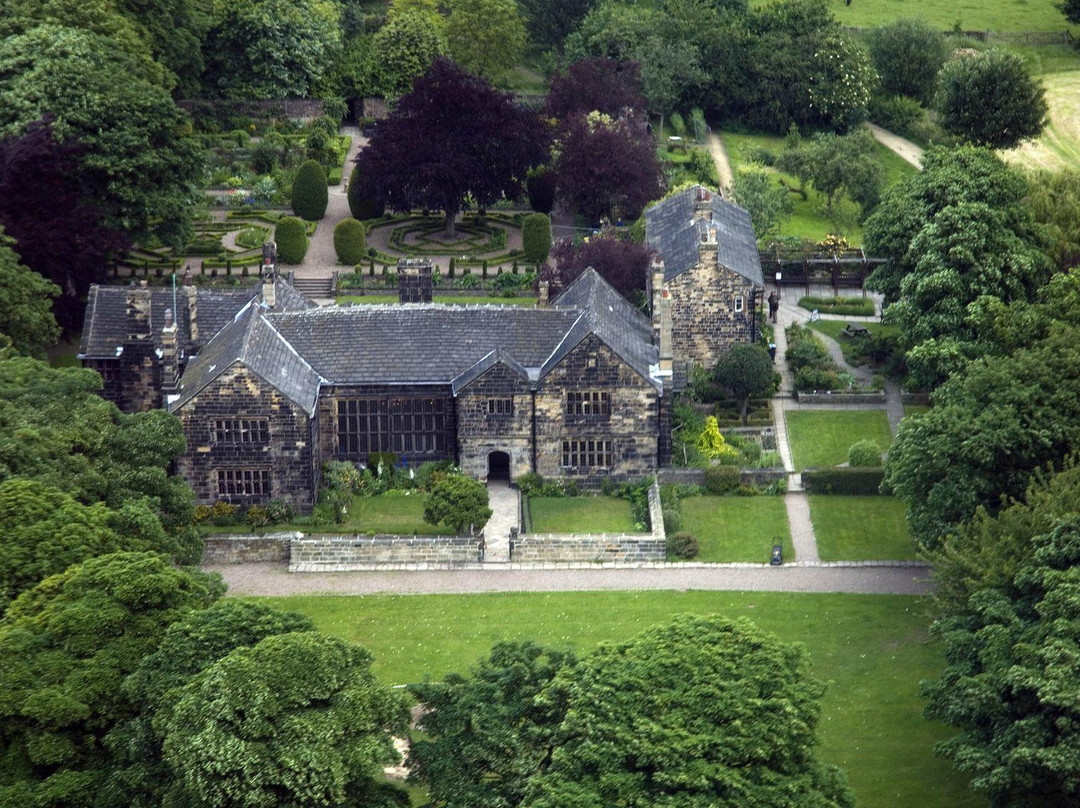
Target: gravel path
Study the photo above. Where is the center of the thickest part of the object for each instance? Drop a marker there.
(272, 580)
(720, 157)
(910, 152)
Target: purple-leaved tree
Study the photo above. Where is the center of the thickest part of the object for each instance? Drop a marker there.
(620, 262)
(452, 137)
(595, 84)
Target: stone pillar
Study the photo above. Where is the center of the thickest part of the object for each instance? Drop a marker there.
(191, 299)
(543, 294)
(667, 355)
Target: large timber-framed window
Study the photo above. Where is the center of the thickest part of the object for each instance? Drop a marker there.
(588, 402)
(592, 454)
(401, 425)
(243, 483)
(500, 406)
(242, 430)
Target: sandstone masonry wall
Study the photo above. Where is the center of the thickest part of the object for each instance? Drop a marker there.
(245, 549)
(345, 553)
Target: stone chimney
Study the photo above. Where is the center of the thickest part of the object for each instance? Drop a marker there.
(191, 299)
(138, 312)
(654, 285)
(414, 280)
(269, 290)
(170, 363)
(707, 245)
(703, 205)
(543, 296)
(667, 354)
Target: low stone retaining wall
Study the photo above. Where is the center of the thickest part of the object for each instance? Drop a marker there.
(915, 398)
(589, 547)
(696, 476)
(345, 553)
(247, 549)
(842, 398)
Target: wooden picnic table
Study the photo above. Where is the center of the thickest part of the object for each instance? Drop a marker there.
(856, 330)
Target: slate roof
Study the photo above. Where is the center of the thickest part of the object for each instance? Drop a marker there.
(298, 350)
(251, 340)
(671, 231)
(105, 325)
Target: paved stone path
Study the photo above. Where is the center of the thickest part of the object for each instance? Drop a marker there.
(505, 503)
(720, 157)
(907, 150)
(272, 580)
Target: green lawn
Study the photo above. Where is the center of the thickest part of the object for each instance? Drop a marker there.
(832, 328)
(507, 301)
(807, 221)
(581, 515)
(871, 650)
(861, 528)
(737, 528)
(820, 438)
(973, 15)
(396, 513)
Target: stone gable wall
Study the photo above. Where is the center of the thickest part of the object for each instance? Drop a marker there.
(480, 433)
(703, 318)
(344, 553)
(632, 426)
(239, 393)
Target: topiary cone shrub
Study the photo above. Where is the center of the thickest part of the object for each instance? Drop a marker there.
(362, 202)
(309, 194)
(349, 241)
(291, 237)
(536, 238)
(540, 187)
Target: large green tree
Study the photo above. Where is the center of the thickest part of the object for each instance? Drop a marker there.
(1009, 620)
(26, 316)
(953, 235)
(485, 37)
(908, 55)
(767, 202)
(551, 21)
(990, 99)
(404, 48)
(115, 104)
(299, 719)
(458, 503)
(747, 371)
(271, 48)
(702, 711)
(485, 734)
(66, 647)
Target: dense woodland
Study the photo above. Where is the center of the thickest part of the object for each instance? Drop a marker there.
(126, 678)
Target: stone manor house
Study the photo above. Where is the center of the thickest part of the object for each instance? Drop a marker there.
(268, 385)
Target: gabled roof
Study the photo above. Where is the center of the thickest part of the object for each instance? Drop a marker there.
(251, 340)
(490, 360)
(612, 318)
(671, 230)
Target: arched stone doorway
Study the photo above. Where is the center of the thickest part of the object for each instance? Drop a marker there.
(498, 466)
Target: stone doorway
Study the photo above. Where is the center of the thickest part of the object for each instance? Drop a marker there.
(498, 466)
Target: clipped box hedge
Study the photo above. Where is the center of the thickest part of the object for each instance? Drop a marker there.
(844, 482)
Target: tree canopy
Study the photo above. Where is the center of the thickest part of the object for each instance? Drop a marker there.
(619, 261)
(485, 37)
(485, 148)
(405, 48)
(747, 371)
(459, 503)
(907, 55)
(26, 316)
(990, 99)
(599, 84)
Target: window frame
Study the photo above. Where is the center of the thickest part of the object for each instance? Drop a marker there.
(582, 403)
(588, 453)
(241, 431)
(243, 483)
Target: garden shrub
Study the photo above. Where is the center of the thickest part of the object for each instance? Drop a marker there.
(380, 462)
(713, 446)
(811, 363)
(536, 238)
(540, 187)
(850, 482)
(291, 237)
(264, 158)
(682, 546)
(813, 378)
(722, 479)
(432, 472)
(864, 454)
(362, 202)
(349, 241)
(279, 510)
(897, 113)
(850, 306)
(309, 194)
(221, 514)
(670, 502)
(257, 516)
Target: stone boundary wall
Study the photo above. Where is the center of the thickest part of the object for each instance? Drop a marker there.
(842, 398)
(247, 549)
(346, 553)
(533, 548)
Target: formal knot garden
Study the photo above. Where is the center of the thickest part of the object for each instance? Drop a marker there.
(492, 238)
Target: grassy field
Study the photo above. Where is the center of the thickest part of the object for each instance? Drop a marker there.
(821, 439)
(973, 15)
(581, 515)
(808, 220)
(832, 328)
(737, 528)
(382, 514)
(872, 650)
(861, 528)
(458, 299)
(1059, 145)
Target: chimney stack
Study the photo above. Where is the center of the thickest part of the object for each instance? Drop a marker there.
(707, 244)
(703, 205)
(170, 365)
(138, 312)
(414, 280)
(543, 294)
(666, 348)
(269, 290)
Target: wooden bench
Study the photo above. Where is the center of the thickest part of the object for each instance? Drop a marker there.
(856, 330)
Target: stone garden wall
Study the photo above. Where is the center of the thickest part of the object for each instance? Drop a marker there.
(842, 398)
(346, 553)
(246, 549)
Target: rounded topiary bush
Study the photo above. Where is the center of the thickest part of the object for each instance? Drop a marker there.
(536, 238)
(349, 241)
(362, 202)
(540, 187)
(291, 237)
(682, 546)
(864, 454)
(309, 194)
